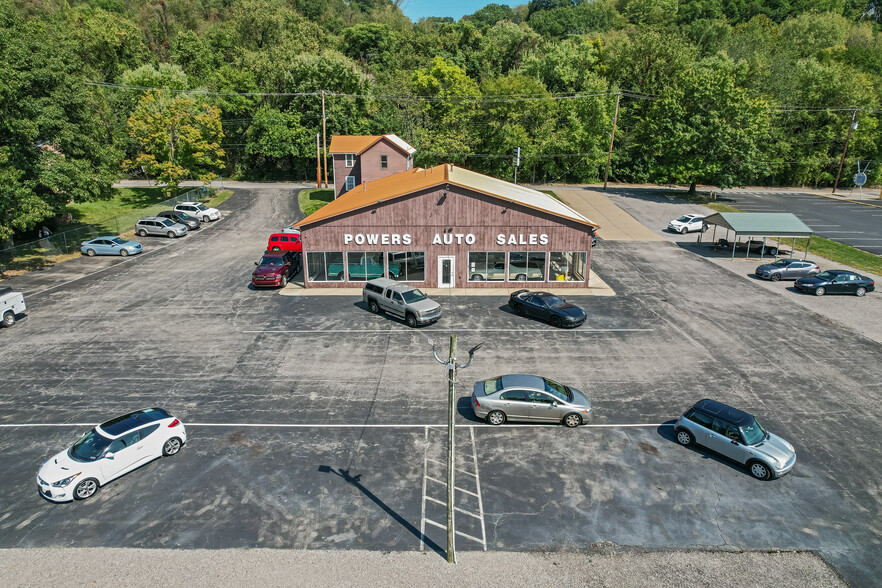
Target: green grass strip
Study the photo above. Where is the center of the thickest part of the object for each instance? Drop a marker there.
(312, 199)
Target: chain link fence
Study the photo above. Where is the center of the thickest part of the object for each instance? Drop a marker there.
(40, 253)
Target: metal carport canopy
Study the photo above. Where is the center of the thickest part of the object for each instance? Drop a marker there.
(761, 224)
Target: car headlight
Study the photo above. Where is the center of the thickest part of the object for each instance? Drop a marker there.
(66, 481)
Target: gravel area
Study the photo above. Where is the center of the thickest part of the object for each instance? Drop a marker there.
(266, 567)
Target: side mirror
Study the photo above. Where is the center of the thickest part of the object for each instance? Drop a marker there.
(554, 404)
(109, 455)
(735, 442)
(255, 263)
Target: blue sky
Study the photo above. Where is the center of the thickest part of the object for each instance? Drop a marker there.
(417, 9)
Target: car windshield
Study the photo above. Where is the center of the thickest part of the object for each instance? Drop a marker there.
(413, 296)
(183, 215)
(781, 263)
(753, 433)
(90, 447)
(167, 222)
(493, 385)
(201, 207)
(271, 260)
(554, 301)
(826, 276)
(684, 219)
(558, 390)
(119, 241)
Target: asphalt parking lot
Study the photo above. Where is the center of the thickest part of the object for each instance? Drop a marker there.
(314, 424)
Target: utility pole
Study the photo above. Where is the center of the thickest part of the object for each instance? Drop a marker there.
(517, 162)
(324, 139)
(611, 139)
(451, 407)
(851, 127)
(318, 162)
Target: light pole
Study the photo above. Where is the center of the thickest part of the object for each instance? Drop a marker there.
(851, 127)
(452, 366)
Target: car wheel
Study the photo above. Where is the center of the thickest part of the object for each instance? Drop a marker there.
(90, 252)
(860, 291)
(391, 276)
(759, 470)
(374, 307)
(555, 322)
(521, 278)
(519, 310)
(496, 417)
(682, 230)
(773, 251)
(8, 318)
(685, 438)
(205, 219)
(411, 321)
(284, 281)
(572, 420)
(86, 489)
(775, 277)
(477, 278)
(142, 233)
(820, 291)
(340, 276)
(171, 447)
(170, 235)
(123, 252)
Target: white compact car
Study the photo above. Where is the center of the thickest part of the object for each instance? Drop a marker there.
(198, 210)
(109, 451)
(687, 224)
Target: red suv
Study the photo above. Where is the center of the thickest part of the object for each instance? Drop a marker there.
(275, 268)
(284, 242)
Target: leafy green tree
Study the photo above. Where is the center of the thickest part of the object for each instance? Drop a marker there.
(369, 43)
(650, 12)
(177, 138)
(275, 139)
(571, 65)
(492, 14)
(581, 19)
(504, 45)
(706, 129)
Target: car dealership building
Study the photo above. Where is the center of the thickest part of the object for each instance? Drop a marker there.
(446, 227)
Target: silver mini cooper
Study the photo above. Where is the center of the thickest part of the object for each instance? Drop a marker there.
(736, 435)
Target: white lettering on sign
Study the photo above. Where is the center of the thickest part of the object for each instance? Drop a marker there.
(396, 239)
(521, 239)
(373, 239)
(347, 238)
(376, 238)
(470, 239)
(405, 239)
(384, 239)
(436, 240)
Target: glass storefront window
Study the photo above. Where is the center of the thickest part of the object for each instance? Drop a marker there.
(407, 266)
(324, 266)
(569, 266)
(526, 266)
(486, 266)
(364, 265)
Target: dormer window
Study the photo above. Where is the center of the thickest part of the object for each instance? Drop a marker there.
(350, 159)
(384, 161)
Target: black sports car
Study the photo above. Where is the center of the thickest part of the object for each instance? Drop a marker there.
(547, 307)
(836, 282)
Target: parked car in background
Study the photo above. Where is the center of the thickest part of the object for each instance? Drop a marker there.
(401, 300)
(108, 451)
(12, 304)
(284, 242)
(547, 307)
(291, 229)
(687, 223)
(190, 221)
(836, 282)
(156, 225)
(736, 435)
(275, 268)
(753, 245)
(788, 269)
(199, 210)
(110, 245)
(520, 397)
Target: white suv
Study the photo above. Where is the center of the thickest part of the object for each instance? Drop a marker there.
(687, 224)
(198, 210)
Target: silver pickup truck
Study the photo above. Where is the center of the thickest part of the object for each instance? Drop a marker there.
(401, 300)
(11, 304)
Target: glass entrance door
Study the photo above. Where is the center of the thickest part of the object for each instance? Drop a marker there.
(446, 271)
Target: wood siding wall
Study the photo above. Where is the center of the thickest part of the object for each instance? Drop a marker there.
(456, 211)
(367, 165)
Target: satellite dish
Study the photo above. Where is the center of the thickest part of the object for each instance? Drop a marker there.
(860, 179)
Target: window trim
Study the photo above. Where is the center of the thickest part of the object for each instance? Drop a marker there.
(348, 186)
(349, 159)
(486, 267)
(384, 162)
(324, 255)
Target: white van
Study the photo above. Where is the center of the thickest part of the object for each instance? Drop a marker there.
(11, 304)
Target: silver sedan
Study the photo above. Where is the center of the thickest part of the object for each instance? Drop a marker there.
(788, 269)
(521, 397)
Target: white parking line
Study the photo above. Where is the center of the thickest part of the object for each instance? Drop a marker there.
(351, 426)
(479, 330)
(478, 486)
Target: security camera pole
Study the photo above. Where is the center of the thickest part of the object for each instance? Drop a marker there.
(452, 366)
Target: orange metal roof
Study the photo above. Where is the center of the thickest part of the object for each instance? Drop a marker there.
(357, 144)
(414, 180)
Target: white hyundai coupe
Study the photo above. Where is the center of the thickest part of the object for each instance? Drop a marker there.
(109, 451)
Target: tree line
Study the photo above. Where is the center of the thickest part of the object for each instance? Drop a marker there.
(723, 92)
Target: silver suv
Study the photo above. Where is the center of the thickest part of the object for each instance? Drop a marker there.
(156, 225)
(401, 300)
(736, 435)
